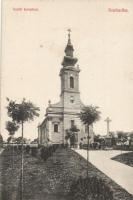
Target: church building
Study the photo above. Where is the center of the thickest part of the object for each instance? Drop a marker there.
(61, 116)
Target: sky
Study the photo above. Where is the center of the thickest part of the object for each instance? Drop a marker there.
(33, 44)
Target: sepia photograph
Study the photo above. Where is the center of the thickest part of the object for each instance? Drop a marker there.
(66, 100)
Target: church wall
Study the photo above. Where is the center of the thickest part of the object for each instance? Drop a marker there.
(43, 130)
(47, 129)
(67, 101)
(39, 135)
(50, 129)
(55, 137)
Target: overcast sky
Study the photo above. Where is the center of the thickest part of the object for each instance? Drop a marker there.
(33, 49)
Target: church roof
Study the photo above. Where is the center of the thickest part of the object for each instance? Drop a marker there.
(57, 107)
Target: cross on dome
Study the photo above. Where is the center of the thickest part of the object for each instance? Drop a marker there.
(69, 35)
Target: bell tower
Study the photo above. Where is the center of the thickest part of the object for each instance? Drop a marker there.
(69, 73)
(63, 115)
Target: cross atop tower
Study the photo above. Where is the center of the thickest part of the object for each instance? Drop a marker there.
(69, 39)
(108, 120)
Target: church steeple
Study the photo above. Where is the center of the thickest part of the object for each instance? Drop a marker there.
(69, 73)
(69, 60)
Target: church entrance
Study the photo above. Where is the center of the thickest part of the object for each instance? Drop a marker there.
(74, 140)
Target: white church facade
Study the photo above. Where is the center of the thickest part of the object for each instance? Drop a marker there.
(61, 116)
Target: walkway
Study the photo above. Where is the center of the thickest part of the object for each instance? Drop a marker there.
(120, 173)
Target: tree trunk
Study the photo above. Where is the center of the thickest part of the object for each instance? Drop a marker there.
(88, 151)
(12, 153)
(22, 170)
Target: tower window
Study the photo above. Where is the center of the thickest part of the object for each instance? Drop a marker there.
(71, 82)
(56, 128)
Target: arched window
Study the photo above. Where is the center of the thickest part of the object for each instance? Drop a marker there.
(56, 128)
(71, 82)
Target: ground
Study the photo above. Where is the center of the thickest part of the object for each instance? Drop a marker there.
(49, 180)
(126, 158)
(120, 173)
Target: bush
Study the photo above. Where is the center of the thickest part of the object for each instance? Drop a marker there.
(34, 151)
(123, 148)
(27, 149)
(15, 148)
(19, 147)
(43, 152)
(46, 152)
(90, 188)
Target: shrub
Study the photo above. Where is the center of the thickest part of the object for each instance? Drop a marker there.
(20, 147)
(46, 152)
(34, 151)
(27, 149)
(123, 148)
(90, 188)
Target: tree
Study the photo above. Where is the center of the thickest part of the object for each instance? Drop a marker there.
(19, 140)
(11, 127)
(35, 141)
(122, 136)
(21, 113)
(131, 135)
(89, 115)
(97, 138)
(9, 139)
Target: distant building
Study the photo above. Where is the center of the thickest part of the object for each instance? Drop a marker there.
(63, 115)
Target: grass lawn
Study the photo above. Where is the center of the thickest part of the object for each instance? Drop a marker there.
(126, 158)
(49, 180)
